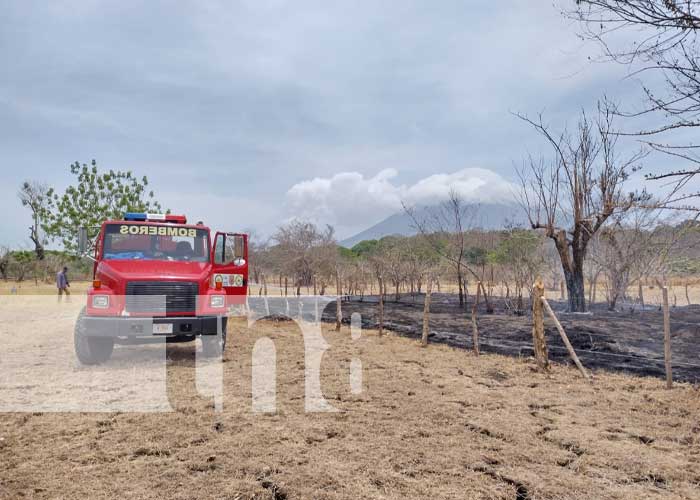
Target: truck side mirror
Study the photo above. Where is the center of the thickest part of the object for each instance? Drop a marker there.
(82, 240)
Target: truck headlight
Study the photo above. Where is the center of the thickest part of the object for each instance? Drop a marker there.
(217, 300)
(100, 301)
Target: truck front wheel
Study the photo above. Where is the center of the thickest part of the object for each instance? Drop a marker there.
(90, 350)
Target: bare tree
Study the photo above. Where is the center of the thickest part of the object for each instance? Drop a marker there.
(665, 40)
(444, 228)
(33, 195)
(628, 249)
(392, 254)
(302, 250)
(573, 196)
(521, 255)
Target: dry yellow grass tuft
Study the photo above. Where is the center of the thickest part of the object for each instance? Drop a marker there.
(430, 423)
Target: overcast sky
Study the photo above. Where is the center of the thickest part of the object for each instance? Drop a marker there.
(247, 113)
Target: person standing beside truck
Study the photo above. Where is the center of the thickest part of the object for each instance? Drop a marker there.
(62, 283)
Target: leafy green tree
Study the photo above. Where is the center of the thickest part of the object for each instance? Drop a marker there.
(365, 247)
(95, 196)
(347, 254)
(476, 256)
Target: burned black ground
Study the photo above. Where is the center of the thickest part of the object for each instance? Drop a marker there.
(628, 340)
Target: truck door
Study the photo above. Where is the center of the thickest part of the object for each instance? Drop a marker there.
(230, 268)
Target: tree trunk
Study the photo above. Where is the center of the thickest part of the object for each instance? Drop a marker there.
(593, 292)
(489, 306)
(575, 290)
(641, 293)
(38, 247)
(572, 265)
(667, 338)
(459, 284)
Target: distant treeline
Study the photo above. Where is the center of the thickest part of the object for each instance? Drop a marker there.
(23, 265)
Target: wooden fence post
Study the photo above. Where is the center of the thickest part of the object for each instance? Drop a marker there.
(338, 307)
(475, 325)
(426, 311)
(565, 339)
(667, 338)
(381, 304)
(538, 338)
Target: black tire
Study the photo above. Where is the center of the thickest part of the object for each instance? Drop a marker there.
(214, 345)
(90, 350)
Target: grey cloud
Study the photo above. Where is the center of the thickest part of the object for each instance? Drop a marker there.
(246, 99)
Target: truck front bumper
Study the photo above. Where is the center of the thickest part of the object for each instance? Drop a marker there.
(112, 326)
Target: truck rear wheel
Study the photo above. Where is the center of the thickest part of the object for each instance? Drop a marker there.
(90, 350)
(214, 345)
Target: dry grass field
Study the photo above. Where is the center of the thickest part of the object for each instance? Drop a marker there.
(430, 423)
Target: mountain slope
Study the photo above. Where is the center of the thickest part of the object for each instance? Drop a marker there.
(487, 216)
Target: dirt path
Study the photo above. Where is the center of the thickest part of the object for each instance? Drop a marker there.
(430, 423)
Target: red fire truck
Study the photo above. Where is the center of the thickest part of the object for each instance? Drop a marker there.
(156, 277)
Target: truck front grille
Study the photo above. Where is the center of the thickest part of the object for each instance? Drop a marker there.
(147, 297)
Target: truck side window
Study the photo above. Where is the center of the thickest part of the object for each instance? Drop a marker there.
(218, 249)
(228, 248)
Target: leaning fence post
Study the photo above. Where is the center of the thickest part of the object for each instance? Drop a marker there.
(538, 339)
(667, 338)
(565, 339)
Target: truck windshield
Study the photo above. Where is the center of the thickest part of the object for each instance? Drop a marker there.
(155, 242)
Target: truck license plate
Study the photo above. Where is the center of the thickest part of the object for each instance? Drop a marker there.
(162, 328)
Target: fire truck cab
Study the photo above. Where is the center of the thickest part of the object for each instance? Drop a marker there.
(157, 277)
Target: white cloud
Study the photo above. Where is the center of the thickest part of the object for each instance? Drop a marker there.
(351, 202)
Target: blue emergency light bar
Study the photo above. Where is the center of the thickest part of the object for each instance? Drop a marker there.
(142, 216)
(134, 216)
